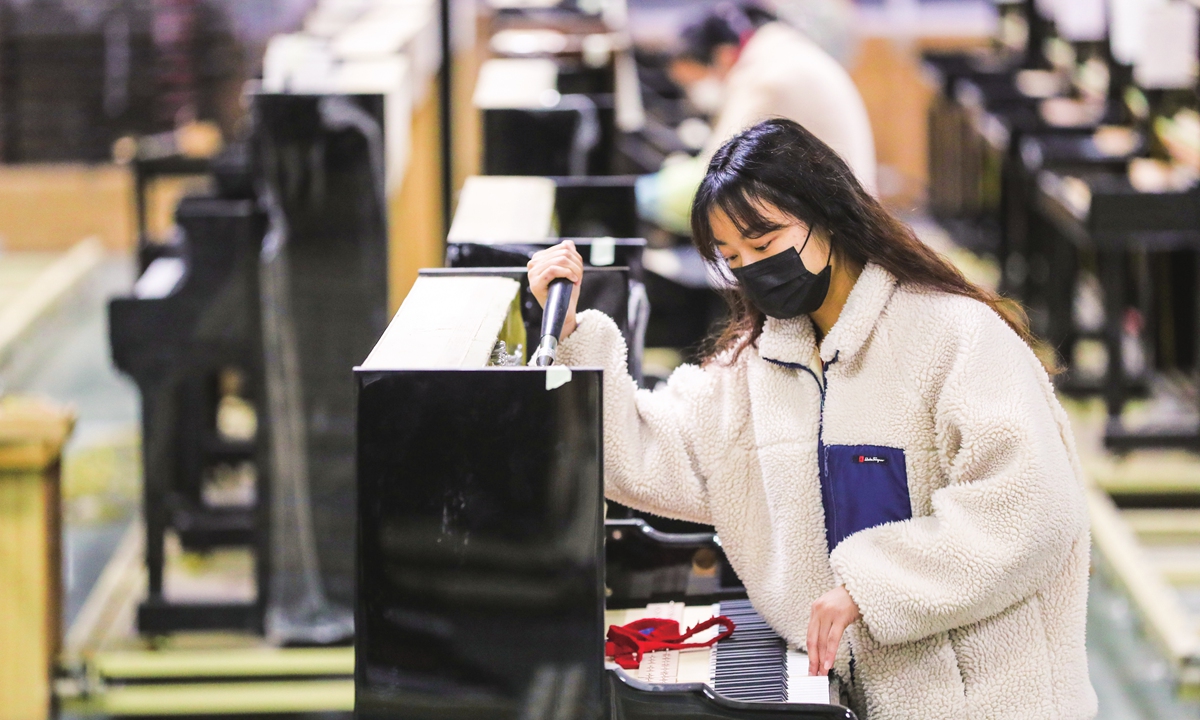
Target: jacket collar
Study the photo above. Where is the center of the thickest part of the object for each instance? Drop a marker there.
(794, 341)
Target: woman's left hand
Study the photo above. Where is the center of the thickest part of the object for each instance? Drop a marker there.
(832, 613)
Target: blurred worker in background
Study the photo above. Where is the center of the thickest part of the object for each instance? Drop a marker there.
(740, 65)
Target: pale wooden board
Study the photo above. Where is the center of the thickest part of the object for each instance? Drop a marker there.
(493, 209)
(416, 234)
(43, 291)
(1164, 525)
(384, 30)
(33, 420)
(515, 83)
(218, 699)
(50, 206)
(445, 322)
(18, 270)
(28, 604)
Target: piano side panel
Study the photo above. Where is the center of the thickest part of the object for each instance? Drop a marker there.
(604, 206)
(327, 184)
(215, 302)
(480, 544)
(528, 142)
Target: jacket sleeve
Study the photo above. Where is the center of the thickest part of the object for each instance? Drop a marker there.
(659, 446)
(1006, 521)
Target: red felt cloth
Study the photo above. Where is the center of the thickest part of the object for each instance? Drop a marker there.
(627, 643)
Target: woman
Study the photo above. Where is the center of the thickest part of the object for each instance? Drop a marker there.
(743, 66)
(874, 440)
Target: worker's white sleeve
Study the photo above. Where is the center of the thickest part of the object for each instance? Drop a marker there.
(658, 445)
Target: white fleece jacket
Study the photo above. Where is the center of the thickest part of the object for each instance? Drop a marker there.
(974, 607)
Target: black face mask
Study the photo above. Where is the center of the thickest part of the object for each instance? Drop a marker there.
(781, 287)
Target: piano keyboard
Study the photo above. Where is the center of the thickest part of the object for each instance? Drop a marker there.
(753, 665)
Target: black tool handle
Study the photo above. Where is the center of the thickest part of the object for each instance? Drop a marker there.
(558, 299)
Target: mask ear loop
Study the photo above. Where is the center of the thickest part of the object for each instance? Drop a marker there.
(803, 245)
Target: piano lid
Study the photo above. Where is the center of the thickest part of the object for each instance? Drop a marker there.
(498, 209)
(450, 322)
(517, 83)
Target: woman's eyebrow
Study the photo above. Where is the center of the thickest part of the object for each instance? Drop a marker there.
(765, 232)
(719, 241)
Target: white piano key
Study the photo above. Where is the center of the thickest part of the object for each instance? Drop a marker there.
(802, 687)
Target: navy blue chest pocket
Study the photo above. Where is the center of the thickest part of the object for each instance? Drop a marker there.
(862, 486)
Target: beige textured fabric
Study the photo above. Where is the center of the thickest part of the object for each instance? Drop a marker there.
(781, 73)
(975, 607)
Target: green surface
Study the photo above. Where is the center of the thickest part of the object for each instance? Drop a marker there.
(146, 664)
(218, 699)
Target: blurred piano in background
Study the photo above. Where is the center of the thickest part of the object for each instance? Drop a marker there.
(192, 327)
(239, 338)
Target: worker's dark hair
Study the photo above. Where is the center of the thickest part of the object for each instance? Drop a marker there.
(727, 23)
(779, 163)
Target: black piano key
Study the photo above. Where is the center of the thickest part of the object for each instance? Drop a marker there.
(748, 677)
(761, 662)
(764, 666)
(751, 665)
(749, 674)
(750, 671)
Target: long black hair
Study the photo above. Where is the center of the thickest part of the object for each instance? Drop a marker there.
(779, 163)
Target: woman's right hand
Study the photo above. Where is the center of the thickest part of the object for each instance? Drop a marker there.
(560, 261)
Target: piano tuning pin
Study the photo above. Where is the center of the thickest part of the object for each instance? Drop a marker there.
(502, 358)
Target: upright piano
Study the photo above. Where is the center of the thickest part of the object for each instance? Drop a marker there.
(192, 320)
(511, 209)
(531, 126)
(239, 339)
(1084, 173)
(502, 221)
(483, 583)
